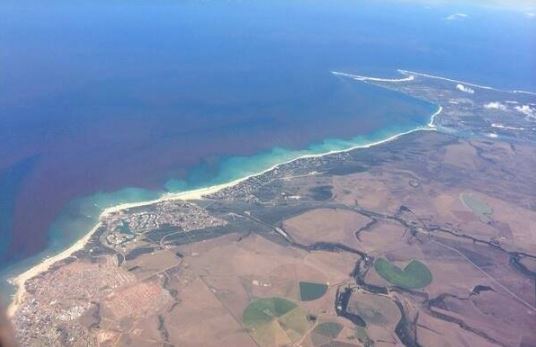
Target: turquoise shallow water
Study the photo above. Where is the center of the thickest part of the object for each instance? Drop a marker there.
(81, 214)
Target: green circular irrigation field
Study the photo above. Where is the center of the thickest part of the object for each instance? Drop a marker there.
(415, 275)
(275, 321)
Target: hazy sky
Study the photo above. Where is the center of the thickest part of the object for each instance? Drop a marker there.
(521, 5)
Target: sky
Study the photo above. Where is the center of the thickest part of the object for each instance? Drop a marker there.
(512, 4)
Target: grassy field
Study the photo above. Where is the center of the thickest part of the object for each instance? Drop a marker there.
(265, 310)
(275, 321)
(414, 276)
(362, 336)
(324, 333)
(330, 329)
(478, 207)
(374, 309)
(311, 291)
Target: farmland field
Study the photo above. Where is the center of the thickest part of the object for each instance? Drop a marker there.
(414, 276)
(311, 291)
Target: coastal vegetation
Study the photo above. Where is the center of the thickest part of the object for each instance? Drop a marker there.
(321, 193)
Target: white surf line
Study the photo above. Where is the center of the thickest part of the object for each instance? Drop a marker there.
(406, 72)
(413, 73)
(375, 79)
(501, 126)
(20, 280)
(431, 124)
(517, 91)
(395, 80)
(411, 76)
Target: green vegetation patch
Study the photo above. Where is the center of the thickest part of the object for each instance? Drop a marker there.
(362, 336)
(321, 193)
(295, 323)
(415, 275)
(311, 291)
(330, 329)
(266, 309)
(275, 321)
(477, 206)
(324, 333)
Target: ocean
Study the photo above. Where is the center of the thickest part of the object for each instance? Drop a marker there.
(105, 102)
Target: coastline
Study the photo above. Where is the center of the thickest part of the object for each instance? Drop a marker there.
(373, 79)
(20, 280)
(413, 73)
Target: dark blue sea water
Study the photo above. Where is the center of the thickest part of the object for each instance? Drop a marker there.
(103, 102)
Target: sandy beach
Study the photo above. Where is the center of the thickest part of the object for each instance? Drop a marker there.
(20, 280)
(374, 79)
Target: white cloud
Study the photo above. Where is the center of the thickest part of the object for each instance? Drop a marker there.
(465, 89)
(527, 111)
(530, 14)
(502, 126)
(456, 16)
(495, 106)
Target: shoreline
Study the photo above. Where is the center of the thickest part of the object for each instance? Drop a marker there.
(20, 280)
(373, 79)
(413, 73)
